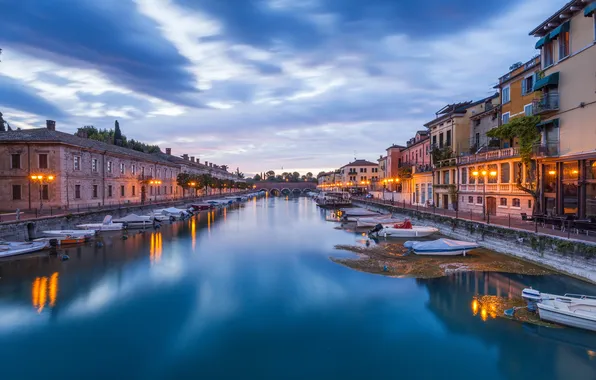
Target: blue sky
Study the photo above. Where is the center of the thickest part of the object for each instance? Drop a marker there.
(257, 84)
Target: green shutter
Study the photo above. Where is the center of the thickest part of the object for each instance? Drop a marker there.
(550, 80)
(558, 30)
(554, 122)
(590, 9)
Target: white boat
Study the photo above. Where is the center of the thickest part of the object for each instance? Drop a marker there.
(176, 213)
(441, 247)
(87, 234)
(106, 225)
(575, 310)
(372, 221)
(136, 221)
(414, 232)
(12, 248)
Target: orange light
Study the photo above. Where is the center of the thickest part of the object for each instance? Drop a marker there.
(552, 172)
(33, 177)
(475, 173)
(493, 174)
(574, 171)
(484, 172)
(51, 178)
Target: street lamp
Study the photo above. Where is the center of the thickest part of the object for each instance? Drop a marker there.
(42, 181)
(155, 182)
(484, 173)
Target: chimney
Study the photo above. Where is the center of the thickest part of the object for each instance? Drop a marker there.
(169, 151)
(192, 158)
(211, 164)
(206, 163)
(185, 156)
(51, 125)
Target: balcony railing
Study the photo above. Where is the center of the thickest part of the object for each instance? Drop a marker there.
(550, 149)
(489, 156)
(546, 103)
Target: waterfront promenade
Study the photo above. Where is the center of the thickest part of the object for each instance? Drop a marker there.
(499, 220)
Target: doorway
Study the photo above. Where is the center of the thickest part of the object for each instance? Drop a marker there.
(445, 201)
(491, 205)
(143, 194)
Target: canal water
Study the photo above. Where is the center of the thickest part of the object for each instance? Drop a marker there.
(250, 293)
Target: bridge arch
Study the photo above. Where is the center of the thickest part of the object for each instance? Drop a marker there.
(286, 191)
(297, 191)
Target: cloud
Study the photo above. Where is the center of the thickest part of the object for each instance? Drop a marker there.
(110, 36)
(14, 94)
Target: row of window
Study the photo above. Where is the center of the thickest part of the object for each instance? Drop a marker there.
(42, 161)
(444, 139)
(17, 191)
(363, 170)
(515, 202)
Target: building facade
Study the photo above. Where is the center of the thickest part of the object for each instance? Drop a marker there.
(359, 174)
(565, 99)
(47, 168)
(416, 169)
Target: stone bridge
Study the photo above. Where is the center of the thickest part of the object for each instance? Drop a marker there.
(278, 188)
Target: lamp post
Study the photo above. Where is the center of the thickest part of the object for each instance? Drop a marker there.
(155, 182)
(42, 181)
(484, 173)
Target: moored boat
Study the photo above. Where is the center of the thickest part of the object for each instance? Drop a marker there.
(201, 206)
(441, 247)
(87, 234)
(135, 221)
(372, 221)
(63, 240)
(12, 248)
(575, 310)
(412, 232)
(106, 225)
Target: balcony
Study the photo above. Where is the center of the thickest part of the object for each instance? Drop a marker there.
(489, 156)
(545, 104)
(550, 149)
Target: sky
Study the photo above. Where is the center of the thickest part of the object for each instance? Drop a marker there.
(257, 84)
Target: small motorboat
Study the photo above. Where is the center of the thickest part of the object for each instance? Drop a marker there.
(201, 206)
(12, 248)
(87, 234)
(106, 225)
(413, 232)
(177, 213)
(64, 240)
(441, 247)
(575, 310)
(136, 221)
(374, 220)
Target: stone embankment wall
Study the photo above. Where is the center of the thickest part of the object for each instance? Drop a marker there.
(576, 258)
(32, 228)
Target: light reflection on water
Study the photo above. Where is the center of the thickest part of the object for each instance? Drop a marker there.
(254, 287)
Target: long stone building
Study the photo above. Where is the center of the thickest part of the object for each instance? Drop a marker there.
(47, 168)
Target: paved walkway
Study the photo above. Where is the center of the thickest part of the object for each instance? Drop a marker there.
(500, 220)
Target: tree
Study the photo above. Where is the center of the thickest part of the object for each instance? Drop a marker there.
(525, 131)
(117, 134)
(257, 178)
(295, 177)
(270, 175)
(224, 167)
(309, 176)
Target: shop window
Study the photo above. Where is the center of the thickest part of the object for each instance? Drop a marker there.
(570, 171)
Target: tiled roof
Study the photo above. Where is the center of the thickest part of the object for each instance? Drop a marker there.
(395, 146)
(46, 135)
(360, 163)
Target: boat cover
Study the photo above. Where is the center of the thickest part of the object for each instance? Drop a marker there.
(107, 219)
(173, 210)
(133, 218)
(440, 245)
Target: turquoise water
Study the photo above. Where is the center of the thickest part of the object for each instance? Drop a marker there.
(250, 293)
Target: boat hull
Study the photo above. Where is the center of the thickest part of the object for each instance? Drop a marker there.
(16, 248)
(567, 318)
(415, 232)
(87, 234)
(101, 227)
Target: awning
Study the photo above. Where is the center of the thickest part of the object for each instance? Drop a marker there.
(542, 124)
(590, 9)
(542, 41)
(550, 80)
(558, 30)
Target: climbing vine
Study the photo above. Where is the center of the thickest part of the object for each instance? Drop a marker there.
(527, 134)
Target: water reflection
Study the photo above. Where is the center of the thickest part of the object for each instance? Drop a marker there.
(43, 288)
(193, 231)
(155, 247)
